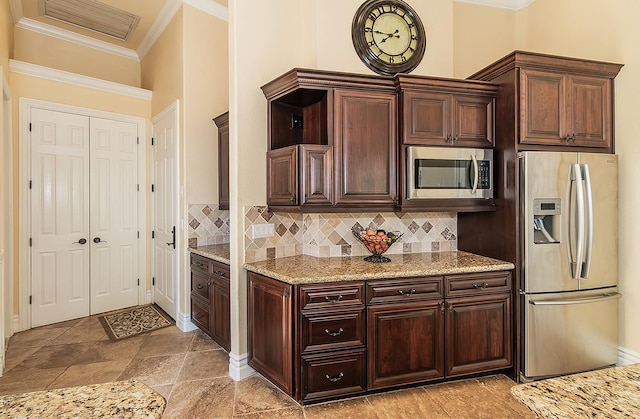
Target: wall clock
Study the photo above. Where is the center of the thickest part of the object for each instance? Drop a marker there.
(388, 36)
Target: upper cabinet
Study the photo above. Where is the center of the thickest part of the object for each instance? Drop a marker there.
(444, 112)
(555, 102)
(222, 122)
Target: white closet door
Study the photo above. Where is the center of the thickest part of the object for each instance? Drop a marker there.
(59, 216)
(165, 201)
(114, 215)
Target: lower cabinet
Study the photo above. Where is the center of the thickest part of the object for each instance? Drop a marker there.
(325, 341)
(210, 302)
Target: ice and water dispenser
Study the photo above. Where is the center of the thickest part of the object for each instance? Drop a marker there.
(546, 220)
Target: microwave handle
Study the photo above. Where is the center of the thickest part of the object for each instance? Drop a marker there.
(474, 161)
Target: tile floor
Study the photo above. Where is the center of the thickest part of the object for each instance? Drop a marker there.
(190, 371)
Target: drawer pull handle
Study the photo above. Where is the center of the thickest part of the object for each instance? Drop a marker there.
(201, 265)
(334, 379)
(221, 273)
(479, 286)
(407, 293)
(199, 286)
(334, 334)
(198, 315)
(334, 300)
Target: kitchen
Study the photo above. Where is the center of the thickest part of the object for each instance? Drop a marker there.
(462, 38)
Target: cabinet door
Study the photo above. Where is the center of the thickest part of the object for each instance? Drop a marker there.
(270, 330)
(282, 176)
(589, 111)
(478, 336)
(426, 118)
(221, 320)
(365, 147)
(542, 108)
(473, 121)
(405, 343)
(223, 166)
(317, 174)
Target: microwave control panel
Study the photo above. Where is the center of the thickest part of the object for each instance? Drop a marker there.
(484, 174)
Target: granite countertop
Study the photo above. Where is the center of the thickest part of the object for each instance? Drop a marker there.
(121, 399)
(305, 269)
(219, 252)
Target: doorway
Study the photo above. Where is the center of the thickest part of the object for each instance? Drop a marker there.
(84, 220)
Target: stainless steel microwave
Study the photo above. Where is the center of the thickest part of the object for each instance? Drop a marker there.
(439, 172)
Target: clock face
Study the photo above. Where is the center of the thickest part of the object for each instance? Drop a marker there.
(388, 36)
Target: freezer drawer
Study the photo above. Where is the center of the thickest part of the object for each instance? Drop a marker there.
(572, 332)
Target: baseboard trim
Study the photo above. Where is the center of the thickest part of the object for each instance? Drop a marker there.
(239, 368)
(147, 297)
(16, 324)
(184, 322)
(627, 356)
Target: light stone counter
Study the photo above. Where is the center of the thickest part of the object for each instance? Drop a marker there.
(219, 252)
(304, 269)
(121, 399)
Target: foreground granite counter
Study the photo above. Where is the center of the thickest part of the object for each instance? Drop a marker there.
(305, 269)
(120, 399)
(219, 252)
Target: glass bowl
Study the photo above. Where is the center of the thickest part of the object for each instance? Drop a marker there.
(376, 241)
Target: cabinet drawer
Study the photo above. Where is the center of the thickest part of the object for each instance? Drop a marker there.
(333, 331)
(201, 263)
(476, 284)
(200, 315)
(331, 296)
(220, 271)
(404, 290)
(340, 374)
(200, 284)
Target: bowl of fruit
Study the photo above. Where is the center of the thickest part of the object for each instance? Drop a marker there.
(376, 241)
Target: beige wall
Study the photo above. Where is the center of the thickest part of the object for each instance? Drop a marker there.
(606, 31)
(6, 36)
(36, 48)
(206, 95)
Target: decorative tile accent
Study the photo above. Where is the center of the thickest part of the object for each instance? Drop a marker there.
(329, 234)
(207, 225)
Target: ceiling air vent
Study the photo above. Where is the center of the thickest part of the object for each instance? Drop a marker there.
(92, 15)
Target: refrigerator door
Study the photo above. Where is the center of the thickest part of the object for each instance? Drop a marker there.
(570, 332)
(547, 218)
(600, 268)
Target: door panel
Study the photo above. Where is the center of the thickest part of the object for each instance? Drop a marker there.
(59, 219)
(165, 199)
(114, 213)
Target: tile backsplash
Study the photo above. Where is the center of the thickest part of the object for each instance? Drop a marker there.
(330, 234)
(207, 225)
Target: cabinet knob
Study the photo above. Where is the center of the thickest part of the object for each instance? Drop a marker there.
(334, 379)
(454, 139)
(442, 307)
(293, 199)
(199, 286)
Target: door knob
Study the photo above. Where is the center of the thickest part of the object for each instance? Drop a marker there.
(98, 240)
(81, 241)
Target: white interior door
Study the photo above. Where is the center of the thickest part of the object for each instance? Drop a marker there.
(165, 204)
(113, 209)
(59, 216)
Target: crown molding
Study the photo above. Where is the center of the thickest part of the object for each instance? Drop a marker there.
(65, 35)
(210, 7)
(16, 10)
(167, 13)
(501, 4)
(48, 73)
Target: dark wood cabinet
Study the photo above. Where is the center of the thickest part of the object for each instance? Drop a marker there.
(282, 181)
(445, 112)
(365, 148)
(222, 122)
(565, 109)
(210, 301)
(322, 341)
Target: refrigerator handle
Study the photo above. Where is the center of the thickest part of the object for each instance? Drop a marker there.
(603, 297)
(577, 206)
(586, 265)
(474, 160)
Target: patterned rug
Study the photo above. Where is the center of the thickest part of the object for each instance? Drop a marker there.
(607, 393)
(134, 321)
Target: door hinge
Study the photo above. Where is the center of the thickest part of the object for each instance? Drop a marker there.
(153, 187)
(138, 281)
(138, 234)
(137, 140)
(30, 299)
(153, 234)
(153, 281)
(29, 126)
(138, 187)
(30, 184)
(30, 242)
(152, 141)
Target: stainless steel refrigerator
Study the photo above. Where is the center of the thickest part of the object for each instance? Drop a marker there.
(569, 262)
